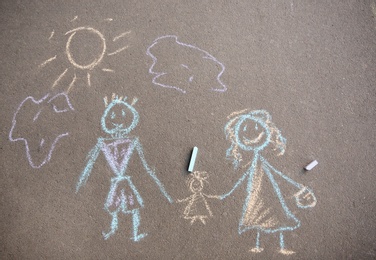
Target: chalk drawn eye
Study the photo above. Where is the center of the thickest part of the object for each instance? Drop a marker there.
(245, 128)
(256, 127)
(113, 115)
(123, 112)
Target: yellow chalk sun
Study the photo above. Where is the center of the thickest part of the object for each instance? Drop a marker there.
(77, 66)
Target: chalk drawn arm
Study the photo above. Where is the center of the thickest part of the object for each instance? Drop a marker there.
(275, 171)
(212, 196)
(92, 156)
(150, 171)
(186, 199)
(237, 184)
(304, 198)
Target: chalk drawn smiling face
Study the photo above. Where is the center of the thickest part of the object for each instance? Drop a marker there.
(252, 133)
(119, 118)
(196, 185)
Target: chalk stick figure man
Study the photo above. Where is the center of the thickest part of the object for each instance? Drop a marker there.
(118, 120)
(265, 209)
(198, 207)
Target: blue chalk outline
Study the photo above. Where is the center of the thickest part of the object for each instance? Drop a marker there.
(119, 133)
(231, 129)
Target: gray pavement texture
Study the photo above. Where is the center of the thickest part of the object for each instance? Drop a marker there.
(310, 64)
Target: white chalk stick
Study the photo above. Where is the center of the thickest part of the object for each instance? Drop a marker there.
(193, 159)
(311, 165)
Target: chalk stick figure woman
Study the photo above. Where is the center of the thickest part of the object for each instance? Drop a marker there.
(265, 209)
(198, 207)
(118, 120)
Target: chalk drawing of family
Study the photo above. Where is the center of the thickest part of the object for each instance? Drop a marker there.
(249, 133)
(264, 209)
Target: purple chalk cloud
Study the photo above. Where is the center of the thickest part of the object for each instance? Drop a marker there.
(184, 67)
(48, 108)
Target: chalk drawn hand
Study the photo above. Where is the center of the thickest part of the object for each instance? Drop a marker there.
(184, 200)
(305, 198)
(212, 196)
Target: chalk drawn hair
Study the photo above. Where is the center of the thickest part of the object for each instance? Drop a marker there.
(273, 134)
(116, 97)
(198, 175)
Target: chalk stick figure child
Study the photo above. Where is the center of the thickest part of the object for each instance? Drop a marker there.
(118, 120)
(197, 207)
(265, 209)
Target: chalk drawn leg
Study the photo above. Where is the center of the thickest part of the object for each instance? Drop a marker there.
(282, 245)
(136, 223)
(202, 218)
(257, 248)
(114, 226)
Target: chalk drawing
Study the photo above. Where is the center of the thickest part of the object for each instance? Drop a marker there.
(197, 65)
(84, 70)
(108, 70)
(264, 209)
(373, 9)
(59, 78)
(47, 61)
(42, 108)
(197, 207)
(121, 36)
(117, 51)
(118, 120)
(51, 35)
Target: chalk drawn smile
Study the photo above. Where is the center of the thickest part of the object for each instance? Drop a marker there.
(254, 141)
(117, 125)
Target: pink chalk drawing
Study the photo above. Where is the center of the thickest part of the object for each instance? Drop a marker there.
(185, 68)
(48, 106)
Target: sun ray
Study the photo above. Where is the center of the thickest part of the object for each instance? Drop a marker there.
(121, 35)
(72, 83)
(108, 19)
(108, 70)
(52, 35)
(134, 101)
(88, 79)
(74, 19)
(47, 61)
(117, 51)
(59, 78)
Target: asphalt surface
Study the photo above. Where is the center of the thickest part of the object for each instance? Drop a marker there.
(309, 64)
